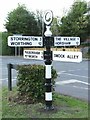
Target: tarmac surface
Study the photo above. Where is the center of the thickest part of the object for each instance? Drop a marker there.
(73, 78)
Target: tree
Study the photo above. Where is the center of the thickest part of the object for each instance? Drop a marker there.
(88, 26)
(40, 22)
(21, 21)
(5, 49)
(88, 18)
(75, 23)
(55, 27)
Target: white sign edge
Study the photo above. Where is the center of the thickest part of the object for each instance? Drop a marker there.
(66, 60)
(33, 58)
(9, 37)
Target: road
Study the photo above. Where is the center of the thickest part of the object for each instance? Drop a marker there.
(73, 78)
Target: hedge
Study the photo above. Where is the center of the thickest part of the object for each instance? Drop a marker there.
(31, 81)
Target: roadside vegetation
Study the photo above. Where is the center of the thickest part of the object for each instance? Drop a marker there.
(64, 107)
(10, 51)
(24, 101)
(6, 50)
(0, 102)
(27, 100)
(24, 22)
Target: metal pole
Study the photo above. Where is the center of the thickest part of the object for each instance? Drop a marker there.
(48, 60)
(15, 51)
(9, 77)
(19, 51)
(48, 84)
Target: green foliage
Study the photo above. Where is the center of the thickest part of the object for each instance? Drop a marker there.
(21, 21)
(65, 107)
(75, 23)
(0, 43)
(6, 50)
(88, 25)
(55, 27)
(31, 80)
(39, 17)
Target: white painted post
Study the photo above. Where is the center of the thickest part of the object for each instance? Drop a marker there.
(47, 56)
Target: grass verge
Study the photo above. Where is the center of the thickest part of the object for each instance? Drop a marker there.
(0, 103)
(65, 107)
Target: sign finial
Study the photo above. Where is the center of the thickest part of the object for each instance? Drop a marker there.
(48, 16)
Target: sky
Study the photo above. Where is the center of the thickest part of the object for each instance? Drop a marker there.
(59, 7)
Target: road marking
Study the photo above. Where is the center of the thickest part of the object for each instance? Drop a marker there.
(75, 75)
(71, 81)
(6, 79)
(81, 87)
(72, 70)
(61, 72)
(66, 82)
(83, 82)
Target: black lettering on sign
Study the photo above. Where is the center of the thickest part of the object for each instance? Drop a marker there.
(12, 43)
(36, 39)
(73, 39)
(40, 39)
(32, 52)
(77, 56)
(59, 55)
(11, 38)
(58, 38)
(21, 43)
(39, 43)
(69, 39)
(26, 55)
(26, 43)
(65, 38)
(58, 43)
(33, 56)
(15, 43)
(55, 55)
(72, 56)
(26, 52)
(65, 43)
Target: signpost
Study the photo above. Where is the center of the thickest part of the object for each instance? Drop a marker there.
(67, 56)
(66, 41)
(33, 54)
(48, 40)
(25, 41)
(48, 60)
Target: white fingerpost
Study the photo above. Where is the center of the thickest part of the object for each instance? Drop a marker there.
(48, 71)
(48, 96)
(48, 60)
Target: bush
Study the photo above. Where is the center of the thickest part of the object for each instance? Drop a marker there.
(6, 50)
(31, 81)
